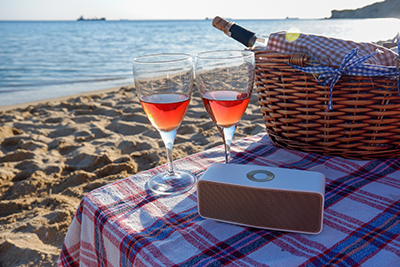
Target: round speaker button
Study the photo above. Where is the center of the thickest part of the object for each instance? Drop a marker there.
(260, 176)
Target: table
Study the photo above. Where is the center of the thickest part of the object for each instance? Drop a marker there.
(121, 224)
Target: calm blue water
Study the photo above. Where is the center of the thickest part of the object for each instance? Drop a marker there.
(41, 60)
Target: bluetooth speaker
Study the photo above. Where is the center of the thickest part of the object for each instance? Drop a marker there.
(263, 197)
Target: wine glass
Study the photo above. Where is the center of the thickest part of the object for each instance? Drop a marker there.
(225, 80)
(164, 85)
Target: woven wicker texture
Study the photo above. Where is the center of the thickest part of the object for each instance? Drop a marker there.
(364, 122)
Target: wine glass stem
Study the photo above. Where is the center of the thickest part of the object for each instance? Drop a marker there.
(169, 159)
(227, 153)
(168, 139)
(227, 136)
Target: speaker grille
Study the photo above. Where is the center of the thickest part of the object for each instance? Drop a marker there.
(261, 207)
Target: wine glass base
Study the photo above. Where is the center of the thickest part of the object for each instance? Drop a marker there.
(165, 184)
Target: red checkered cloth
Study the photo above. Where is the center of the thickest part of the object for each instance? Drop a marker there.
(121, 224)
(321, 47)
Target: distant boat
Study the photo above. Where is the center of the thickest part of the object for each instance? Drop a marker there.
(83, 19)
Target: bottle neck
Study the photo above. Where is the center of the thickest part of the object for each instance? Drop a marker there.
(260, 41)
(240, 34)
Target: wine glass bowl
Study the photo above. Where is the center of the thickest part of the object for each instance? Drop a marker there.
(225, 80)
(164, 85)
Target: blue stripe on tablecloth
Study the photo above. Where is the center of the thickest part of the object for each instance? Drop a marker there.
(107, 212)
(364, 242)
(234, 248)
(66, 258)
(160, 230)
(374, 170)
(79, 212)
(309, 161)
(248, 156)
(100, 248)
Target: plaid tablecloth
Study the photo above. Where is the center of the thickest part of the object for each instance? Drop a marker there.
(121, 224)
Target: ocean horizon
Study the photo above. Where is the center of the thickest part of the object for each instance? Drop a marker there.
(47, 59)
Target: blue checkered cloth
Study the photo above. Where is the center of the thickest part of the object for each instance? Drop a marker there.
(351, 65)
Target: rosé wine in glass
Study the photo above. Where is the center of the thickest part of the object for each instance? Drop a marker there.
(225, 80)
(165, 111)
(164, 85)
(226, 107)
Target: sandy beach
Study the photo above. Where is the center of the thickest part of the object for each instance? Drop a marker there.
(54, 152)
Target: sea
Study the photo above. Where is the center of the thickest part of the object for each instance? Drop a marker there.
(47, 59)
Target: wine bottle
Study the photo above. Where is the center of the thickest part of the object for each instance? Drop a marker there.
(240, 34)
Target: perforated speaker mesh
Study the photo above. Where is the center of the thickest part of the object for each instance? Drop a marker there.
(260, 207)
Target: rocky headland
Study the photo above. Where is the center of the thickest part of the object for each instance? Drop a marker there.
(385, 9)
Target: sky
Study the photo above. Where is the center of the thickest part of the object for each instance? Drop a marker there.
(172, 9)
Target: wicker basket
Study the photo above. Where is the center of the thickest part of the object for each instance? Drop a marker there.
(364, 123)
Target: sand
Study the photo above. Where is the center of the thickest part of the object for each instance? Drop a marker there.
(55, 152)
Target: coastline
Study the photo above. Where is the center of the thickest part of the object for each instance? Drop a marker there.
(53, 152)
(61, 98)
